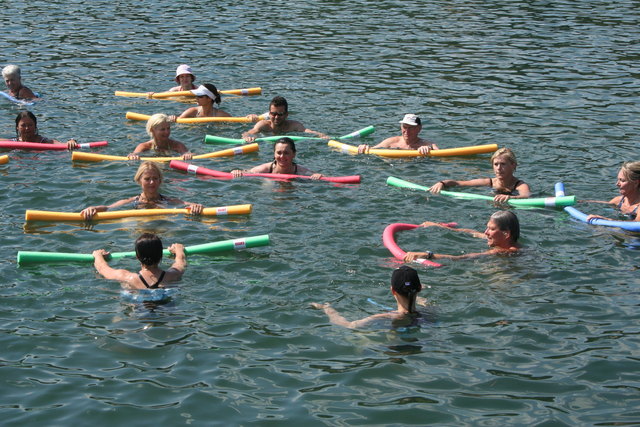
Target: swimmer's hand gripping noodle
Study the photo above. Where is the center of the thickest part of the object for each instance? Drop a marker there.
(177, 164)
(25, 257)
(541, 202)
(389, 242)
(34, 215)
(580, 216)
(167, 95)
(445, 152)
(212, 139)
(77, 156)
(17, 145)
(195, 120)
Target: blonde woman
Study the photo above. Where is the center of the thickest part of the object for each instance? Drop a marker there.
(149, 177)
(159, 129)
(504, 183)
(628, 184)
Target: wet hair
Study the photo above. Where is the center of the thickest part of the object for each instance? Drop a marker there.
(155, 120)
(214, 91)
(24, 114)
(405, 282)
(507, 221)
(505, 152)
(287, 141)
(147, 167)
(11, 70)
(631, 170)
(149, 249)
(279, 101)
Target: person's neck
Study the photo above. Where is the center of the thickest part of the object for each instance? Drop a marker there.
(146, 197)
(633, 198)
(208, 110)
(413, 143)
(404, 305)
(153, 269)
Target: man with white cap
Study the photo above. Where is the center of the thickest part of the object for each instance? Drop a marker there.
(410, 126)
(184, 78)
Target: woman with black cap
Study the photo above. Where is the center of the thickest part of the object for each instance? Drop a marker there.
(405, 285)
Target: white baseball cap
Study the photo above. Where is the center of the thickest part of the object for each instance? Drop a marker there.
(411, 120)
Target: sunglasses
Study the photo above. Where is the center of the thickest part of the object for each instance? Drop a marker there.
(276, 114)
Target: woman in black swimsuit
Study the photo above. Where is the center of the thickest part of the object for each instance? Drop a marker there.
(628, 184)
(149, 177)
(284, 151)
(504, 183)
(149, 253)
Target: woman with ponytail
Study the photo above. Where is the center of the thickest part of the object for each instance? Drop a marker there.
(405, 285)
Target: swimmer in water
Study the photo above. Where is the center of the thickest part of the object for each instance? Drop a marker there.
(277, 123)
(405, 285)
(505, 184)
(184, 78)
(207, 96)
(13, 79)
(159, 129)
(27, 131)
(149, 176)
(410, 125)
(628, 184)
(502, 233)
(149, 253)
(284, 151)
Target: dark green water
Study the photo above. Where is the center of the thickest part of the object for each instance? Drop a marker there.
(550, 337)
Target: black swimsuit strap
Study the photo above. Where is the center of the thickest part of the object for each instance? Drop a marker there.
(273, 165)
(155, 285)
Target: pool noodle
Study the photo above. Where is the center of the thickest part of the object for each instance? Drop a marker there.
(20, 145)
(26, 257)
(446, 152)
(164, 95)
(540, 202)
(580, 216)
(93, 157)
(212, 139)
(389, 242)
(35, 215)
(183, 166)
(195, 120)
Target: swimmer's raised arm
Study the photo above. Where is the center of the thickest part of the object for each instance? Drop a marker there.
(178, 267)
(107, 271)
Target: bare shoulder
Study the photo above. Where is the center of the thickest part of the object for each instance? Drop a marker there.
(615, 200)
(294, 126)
(189, 112)
(391, 142)
(263, 168)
